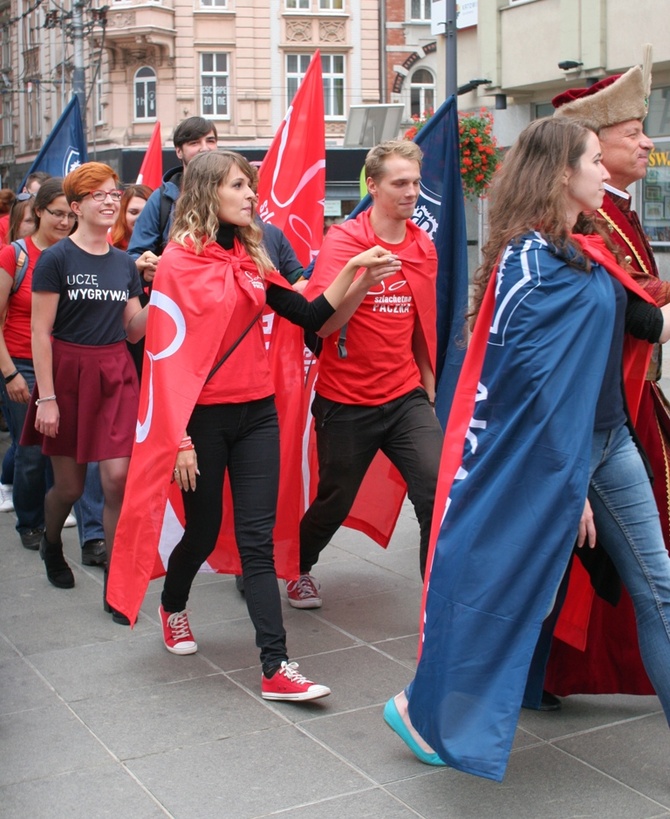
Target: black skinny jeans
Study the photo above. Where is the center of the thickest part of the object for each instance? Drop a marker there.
(243, 438)
(348, 437)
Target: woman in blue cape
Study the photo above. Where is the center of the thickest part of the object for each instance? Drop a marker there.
(539, 416)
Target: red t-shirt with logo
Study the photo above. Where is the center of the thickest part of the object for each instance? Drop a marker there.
(380, 364)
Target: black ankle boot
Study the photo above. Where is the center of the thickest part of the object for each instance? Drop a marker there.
(117, 617)
(59, 573)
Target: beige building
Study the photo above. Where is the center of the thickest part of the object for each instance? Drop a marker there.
(532, 50)
(239, 63)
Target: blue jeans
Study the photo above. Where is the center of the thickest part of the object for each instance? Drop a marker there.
(7, 475)
(88, 508)
(32, 470)
(628, 527)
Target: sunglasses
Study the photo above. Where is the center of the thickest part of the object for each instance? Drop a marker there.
(24, 197)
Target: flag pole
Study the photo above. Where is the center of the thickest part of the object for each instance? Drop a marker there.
(451, 81)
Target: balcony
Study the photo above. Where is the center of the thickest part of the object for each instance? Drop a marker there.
(138, 33)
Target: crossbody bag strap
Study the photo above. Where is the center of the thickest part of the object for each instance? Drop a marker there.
(233, 346)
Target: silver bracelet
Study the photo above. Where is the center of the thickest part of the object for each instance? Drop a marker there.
(39, 401)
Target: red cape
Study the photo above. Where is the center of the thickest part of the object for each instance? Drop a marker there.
(573, 622)
(595, 650)
(191, 303)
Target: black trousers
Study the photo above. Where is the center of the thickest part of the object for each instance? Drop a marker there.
(244, 439)
(348, 437)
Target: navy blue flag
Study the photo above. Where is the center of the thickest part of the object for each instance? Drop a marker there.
(65, 147)
(440, 211)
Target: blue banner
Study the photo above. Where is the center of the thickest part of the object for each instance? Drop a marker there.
(440, 211)
(65, 147)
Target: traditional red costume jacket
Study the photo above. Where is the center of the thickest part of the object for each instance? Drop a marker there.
(595, 650)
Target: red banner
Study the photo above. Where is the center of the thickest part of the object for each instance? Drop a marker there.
(151, 171)
(292, 184)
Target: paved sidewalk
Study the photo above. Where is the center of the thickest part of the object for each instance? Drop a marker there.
(97, 720)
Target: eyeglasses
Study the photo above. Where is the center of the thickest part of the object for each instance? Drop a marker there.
(61, 214)
(100, 196)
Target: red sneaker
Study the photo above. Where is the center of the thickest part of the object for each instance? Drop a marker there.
(288, 684)
(303, 593)
(177, 634)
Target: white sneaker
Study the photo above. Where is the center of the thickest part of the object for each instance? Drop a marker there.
(6, 502)
(70, 521)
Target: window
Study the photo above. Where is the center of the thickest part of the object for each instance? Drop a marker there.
(32, 110)
(296, 66)
(145, 93)
(7, 129)
(98, 107)
(657, 122)
(332, 68)
(297, 4)
(331, 5)
(217, 4)
(214, 85)
(420, 10)
(422, 92)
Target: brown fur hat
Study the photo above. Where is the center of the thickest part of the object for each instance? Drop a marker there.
(611, 100)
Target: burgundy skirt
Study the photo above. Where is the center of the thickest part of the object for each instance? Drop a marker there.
(98, 395)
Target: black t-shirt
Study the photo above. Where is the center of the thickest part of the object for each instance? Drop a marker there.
(94, 291)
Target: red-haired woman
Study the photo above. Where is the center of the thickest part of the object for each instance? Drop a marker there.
(132, 204)
(85, 305)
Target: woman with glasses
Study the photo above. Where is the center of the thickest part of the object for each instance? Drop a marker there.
(85, 304)
(53, 221)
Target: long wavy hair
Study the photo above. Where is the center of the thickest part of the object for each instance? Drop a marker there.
(120, 233)
(528, 193)
(196, 221)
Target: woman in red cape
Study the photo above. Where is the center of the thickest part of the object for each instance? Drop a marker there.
(207, 408)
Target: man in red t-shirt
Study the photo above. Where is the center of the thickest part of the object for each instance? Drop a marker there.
(381, 395)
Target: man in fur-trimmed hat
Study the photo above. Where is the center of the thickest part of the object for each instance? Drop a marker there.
(616, 107)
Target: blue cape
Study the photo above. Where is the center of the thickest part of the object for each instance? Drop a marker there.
(508, 527)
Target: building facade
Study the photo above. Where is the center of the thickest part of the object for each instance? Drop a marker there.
(238, 62)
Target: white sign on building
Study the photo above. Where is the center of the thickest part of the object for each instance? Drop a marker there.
(466, 15)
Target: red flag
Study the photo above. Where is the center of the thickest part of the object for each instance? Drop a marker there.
(151, 172)
(292, 184)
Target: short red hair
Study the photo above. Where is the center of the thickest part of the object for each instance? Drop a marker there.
(86, 178)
